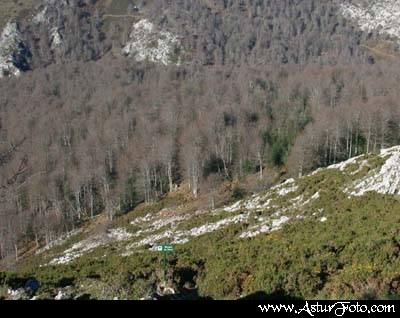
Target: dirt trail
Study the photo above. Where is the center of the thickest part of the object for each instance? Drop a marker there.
(379, 52)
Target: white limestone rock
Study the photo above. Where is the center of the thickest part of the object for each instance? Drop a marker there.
(384, 180)
(147, 43)
(12, 51)
(381, 16)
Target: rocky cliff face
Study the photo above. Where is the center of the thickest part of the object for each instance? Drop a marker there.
(14, 55)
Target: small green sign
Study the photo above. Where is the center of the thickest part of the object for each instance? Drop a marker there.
(165, 248)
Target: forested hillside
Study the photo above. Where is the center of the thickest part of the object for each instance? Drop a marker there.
(108, 104)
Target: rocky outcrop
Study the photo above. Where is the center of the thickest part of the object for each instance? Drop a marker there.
(385, 180)
(380, 16)
(14, 55)
(147, 43)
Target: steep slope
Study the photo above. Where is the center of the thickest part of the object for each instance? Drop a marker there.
(331, 234)
(209, 32)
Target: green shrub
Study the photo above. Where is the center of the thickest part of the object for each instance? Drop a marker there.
(238, 193)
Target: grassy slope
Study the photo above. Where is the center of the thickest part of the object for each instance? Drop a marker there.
(354, 254)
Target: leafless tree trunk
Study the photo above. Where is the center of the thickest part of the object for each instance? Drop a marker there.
(260, 162)
(16, 251)
(169, 174)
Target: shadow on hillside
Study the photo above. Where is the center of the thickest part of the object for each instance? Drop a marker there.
(277, 295)
(260, 295)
